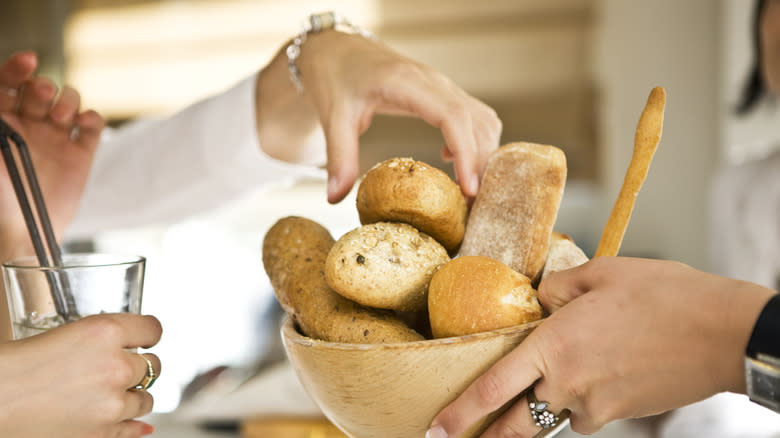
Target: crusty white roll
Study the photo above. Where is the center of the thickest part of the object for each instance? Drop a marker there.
(563, 254)
(473, 294)
(516, 206)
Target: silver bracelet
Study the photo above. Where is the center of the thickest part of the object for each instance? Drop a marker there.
(315, 24)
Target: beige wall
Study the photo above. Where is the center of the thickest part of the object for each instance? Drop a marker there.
(674, 44)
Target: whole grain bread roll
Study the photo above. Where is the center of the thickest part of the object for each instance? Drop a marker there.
(473, 294)
(294, 253)
(516, 206)
(413, 192)
(563, 254)
(386, 265)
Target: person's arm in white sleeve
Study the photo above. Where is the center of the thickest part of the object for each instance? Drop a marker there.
(161, 171)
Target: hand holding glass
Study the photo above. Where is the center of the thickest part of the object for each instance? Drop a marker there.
(99, 283)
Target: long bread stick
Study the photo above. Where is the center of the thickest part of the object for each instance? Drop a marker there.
(648, 135)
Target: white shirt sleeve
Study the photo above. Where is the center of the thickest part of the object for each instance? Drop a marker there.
(161, 171)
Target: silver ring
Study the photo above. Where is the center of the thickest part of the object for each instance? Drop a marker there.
(542, 417)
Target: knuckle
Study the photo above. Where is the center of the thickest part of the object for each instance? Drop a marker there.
(104, 329)
(119, 373)
(489, 389)
(510, 430)
(111, 409)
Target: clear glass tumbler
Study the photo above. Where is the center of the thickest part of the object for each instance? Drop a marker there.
(98, 283)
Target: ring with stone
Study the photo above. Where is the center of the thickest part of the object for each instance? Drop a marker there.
(541, 416)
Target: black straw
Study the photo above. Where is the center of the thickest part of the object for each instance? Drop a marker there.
(60, 290)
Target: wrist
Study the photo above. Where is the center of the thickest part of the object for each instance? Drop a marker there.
(748, 300)
(284, 118)
(762, 357)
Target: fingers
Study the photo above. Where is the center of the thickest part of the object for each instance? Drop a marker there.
(341, 136)
(37, 97)
(137, 403)
(508, 377)
(446, 109)
(127, 329)
(128, 429)
(141, 368)
(63, 113)
(89, 126)
(519, 420)
(560, 288)
(14, 72)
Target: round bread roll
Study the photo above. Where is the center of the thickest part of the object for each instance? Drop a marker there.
(385, 265)
(473, 294)
(409, 191)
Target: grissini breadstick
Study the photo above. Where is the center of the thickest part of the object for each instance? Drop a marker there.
(648, 135)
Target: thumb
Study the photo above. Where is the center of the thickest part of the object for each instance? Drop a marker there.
(341, 137)
(560, 288)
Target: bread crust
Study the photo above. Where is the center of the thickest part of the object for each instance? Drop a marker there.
(294, 254)
(413, 192)
(563, 254)
(516, 206)
(473, 294)
(386, 265)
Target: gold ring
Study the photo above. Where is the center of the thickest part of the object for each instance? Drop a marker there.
(150, 376)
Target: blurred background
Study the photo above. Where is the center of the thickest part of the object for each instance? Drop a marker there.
(571, 73)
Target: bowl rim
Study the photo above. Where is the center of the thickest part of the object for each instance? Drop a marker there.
(290, 333)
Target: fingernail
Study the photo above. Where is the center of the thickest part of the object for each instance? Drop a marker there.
(436, 431)
(147, 429)
(333, 184)
(474, 184)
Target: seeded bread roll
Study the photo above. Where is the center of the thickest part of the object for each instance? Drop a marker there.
(563, 254)
(409, 191)
(385, 265)
(473, 294)
(294, 253)
(516, 206)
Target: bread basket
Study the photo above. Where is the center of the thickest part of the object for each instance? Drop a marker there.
(394, 390)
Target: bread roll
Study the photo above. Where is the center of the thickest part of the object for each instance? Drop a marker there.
(409, 191)
(385, 265)
(473, 294)
(563, 254)
(294, 252)
(516, 206)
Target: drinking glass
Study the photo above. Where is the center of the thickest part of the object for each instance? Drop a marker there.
(97, 283)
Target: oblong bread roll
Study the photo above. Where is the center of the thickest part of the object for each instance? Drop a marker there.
(516, 206)
(294, 253)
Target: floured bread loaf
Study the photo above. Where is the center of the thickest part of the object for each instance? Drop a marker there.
(473, 294)
(385, 265)
(412, 192)
(563, 254)
(516, 207)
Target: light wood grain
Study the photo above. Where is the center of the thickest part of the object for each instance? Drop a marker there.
(394, 390)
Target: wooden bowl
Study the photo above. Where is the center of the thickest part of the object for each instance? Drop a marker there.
(394, 390)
